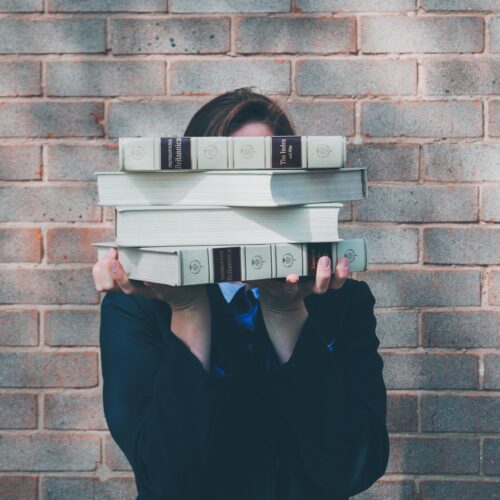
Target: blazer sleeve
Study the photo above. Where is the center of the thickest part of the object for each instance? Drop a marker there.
(333, 393)
(162, 407)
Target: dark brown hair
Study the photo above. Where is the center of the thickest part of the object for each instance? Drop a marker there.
(228, 112)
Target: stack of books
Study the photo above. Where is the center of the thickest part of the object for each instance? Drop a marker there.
(211, 209)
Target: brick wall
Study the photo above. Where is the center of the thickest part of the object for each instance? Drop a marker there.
(415, 87)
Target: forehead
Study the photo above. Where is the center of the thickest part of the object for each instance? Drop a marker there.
(253, 129)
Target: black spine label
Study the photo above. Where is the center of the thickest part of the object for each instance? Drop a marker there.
(314, 252)
(227, 264)
(176, 153)
(286, 152)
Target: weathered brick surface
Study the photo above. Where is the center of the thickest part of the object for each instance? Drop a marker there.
(20, 79)
(397, 328)
(492, 371)
(359, 6)
(440, 490)
(494, 122)
(465, 5)
(18, 328)
(255, 6)
(383, 490)
(49, 204)
(491, 457)
(461, 162)
(18, 487)
(419, 203)
(425, 288)
(114, 458)
(20, 245)
(43, 369)
(422, 119)
(431, 371)
(19, 163)
(421, 455)
(385, 162)
(460, 414)
(68, 162)
(75, 244)
(51, 119)
(47, 286)
(150, 119)
(461, 329)
(170, 36)
(381, 34)
(461, 77)
(67, 327)
(74, 411)
(56, 488)
(490, 209)
(43, 36)
(494, 288)
(356, 77)
(18, 411)
(401, 413)
(396, 245)
(316, 117)
(303, 35)
(49, 452)
(218, 76)
(105, 78)
(21, 5)
(108, 6)
(494, 25)
(462, 245)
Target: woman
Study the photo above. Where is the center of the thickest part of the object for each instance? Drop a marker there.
(281, 399)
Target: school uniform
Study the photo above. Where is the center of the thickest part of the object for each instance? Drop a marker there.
(251, 428)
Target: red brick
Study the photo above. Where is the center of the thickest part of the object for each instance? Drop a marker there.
(20, 78)
(49, 452)
(296, 34)
(67, 327)
(491, 457)
(401, 412)
(18, 411)
(42, 369)
(431, 371)
(49, 204)
(490, 209)
(67, 162)
(492, 372)
(74, 411)
(479, 489)
(494, 123)
(47, 286)
(70, 244)
(117, 488)
(389, 490)
(114, 457)
(20, 245)
(436, 34)
(18, 328)
(18, 487)
(20, 163)
(494, 288)
(421, 455)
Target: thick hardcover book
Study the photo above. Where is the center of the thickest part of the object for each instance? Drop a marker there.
(176, 225)
(266, 188)
(216, 153)
(200, 265)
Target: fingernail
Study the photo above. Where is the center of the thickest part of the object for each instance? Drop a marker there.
(344, 262)
(114, 266)
(325, 262)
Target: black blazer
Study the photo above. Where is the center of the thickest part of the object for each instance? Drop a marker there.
(312, 428)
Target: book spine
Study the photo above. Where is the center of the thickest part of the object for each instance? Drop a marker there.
(219, 153)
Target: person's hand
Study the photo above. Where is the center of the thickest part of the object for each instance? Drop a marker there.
(191, 315)
(282, 302)
(282, 296)
(109, 275)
